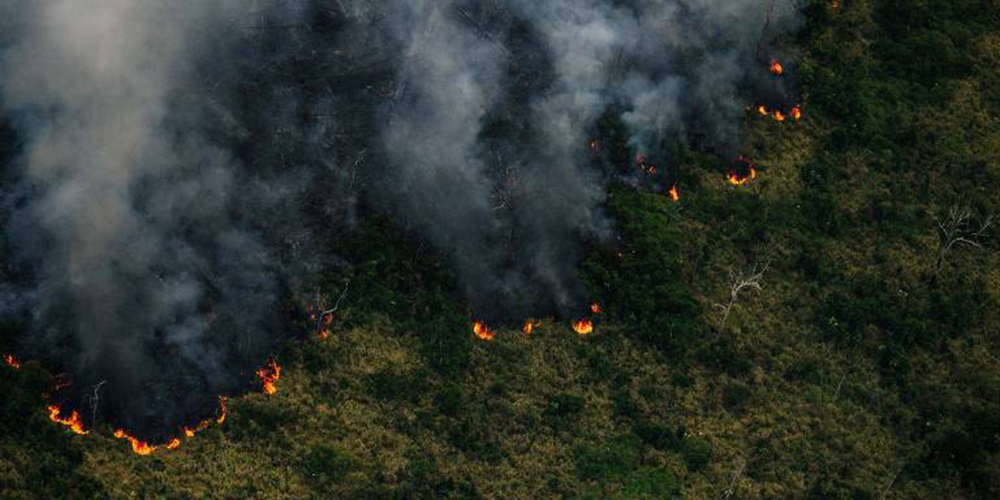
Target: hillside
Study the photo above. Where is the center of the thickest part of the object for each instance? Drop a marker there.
(866, 365)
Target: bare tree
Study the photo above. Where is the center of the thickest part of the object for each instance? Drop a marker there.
(732, 485)
(95, 401)
(322, 323)
(740, 281)
(959, 228)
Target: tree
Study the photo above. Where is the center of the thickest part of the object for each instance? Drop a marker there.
(740, 281)
(959, 228)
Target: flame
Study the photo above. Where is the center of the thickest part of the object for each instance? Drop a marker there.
(777, 68)
(797, 113)
(324, 330)
(674, 194)
(762, 110)
(12, 361)
(595, 146)
(595, 308)
(188, 432)
(583, 327)
(737, 178)
(138, 447)
(74, 422)
(482, 331)
(268, 375)
(779, 116)
(651, 170)
(530, 325)
(174, 444)
(222, 410)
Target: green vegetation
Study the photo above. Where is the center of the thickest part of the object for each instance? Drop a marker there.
(857, 372)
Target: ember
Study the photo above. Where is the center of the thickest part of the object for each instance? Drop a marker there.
(583, 327)
(268, 375)
(74, 422)
(674, 194)
(595, 308)
(12, 361)
(482, 331)
(777, 68)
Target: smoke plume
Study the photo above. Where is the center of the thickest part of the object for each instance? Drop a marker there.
(172, 166)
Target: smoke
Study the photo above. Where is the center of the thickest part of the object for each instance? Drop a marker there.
(177, 164)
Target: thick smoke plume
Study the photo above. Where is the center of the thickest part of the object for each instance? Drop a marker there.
(171, 166)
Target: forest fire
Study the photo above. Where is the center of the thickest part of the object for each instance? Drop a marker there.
(12, 361)
(674, 194)
(777, 68)
(595, 308)
(779, 116)
(138, 447)
(73, 421)
(742, 172)
(482, 331)
(797, 113)
(583, 327)
(269, 376)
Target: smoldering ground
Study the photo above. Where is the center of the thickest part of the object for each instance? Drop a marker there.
(173, 167)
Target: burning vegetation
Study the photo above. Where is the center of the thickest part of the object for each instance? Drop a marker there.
(482, 331)
(583, 327)
(73, 421)
(742, 172)
(530, 325)
(11, 361)
(269, 375)
(674, 194)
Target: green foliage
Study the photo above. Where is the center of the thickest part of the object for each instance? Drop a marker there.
(639, 284)
(325, 463)
(608, 461)
(561, 406)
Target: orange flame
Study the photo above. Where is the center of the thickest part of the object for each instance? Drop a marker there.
(482, 331)
(174, 444)
(529, 326)
(762, 110)
(651, 170)
(674, 194)
(777, 68)
(595, 308)
(324, 330)
(778, 115)
(74, 422)
(138, 447)
(222, 409)
(739, 178)
(268, 375)
(12, 361)
(583, 327)
(797, 113)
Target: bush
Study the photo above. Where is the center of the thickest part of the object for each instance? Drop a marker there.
(697, 453)
(608, 461)
(325, 463)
